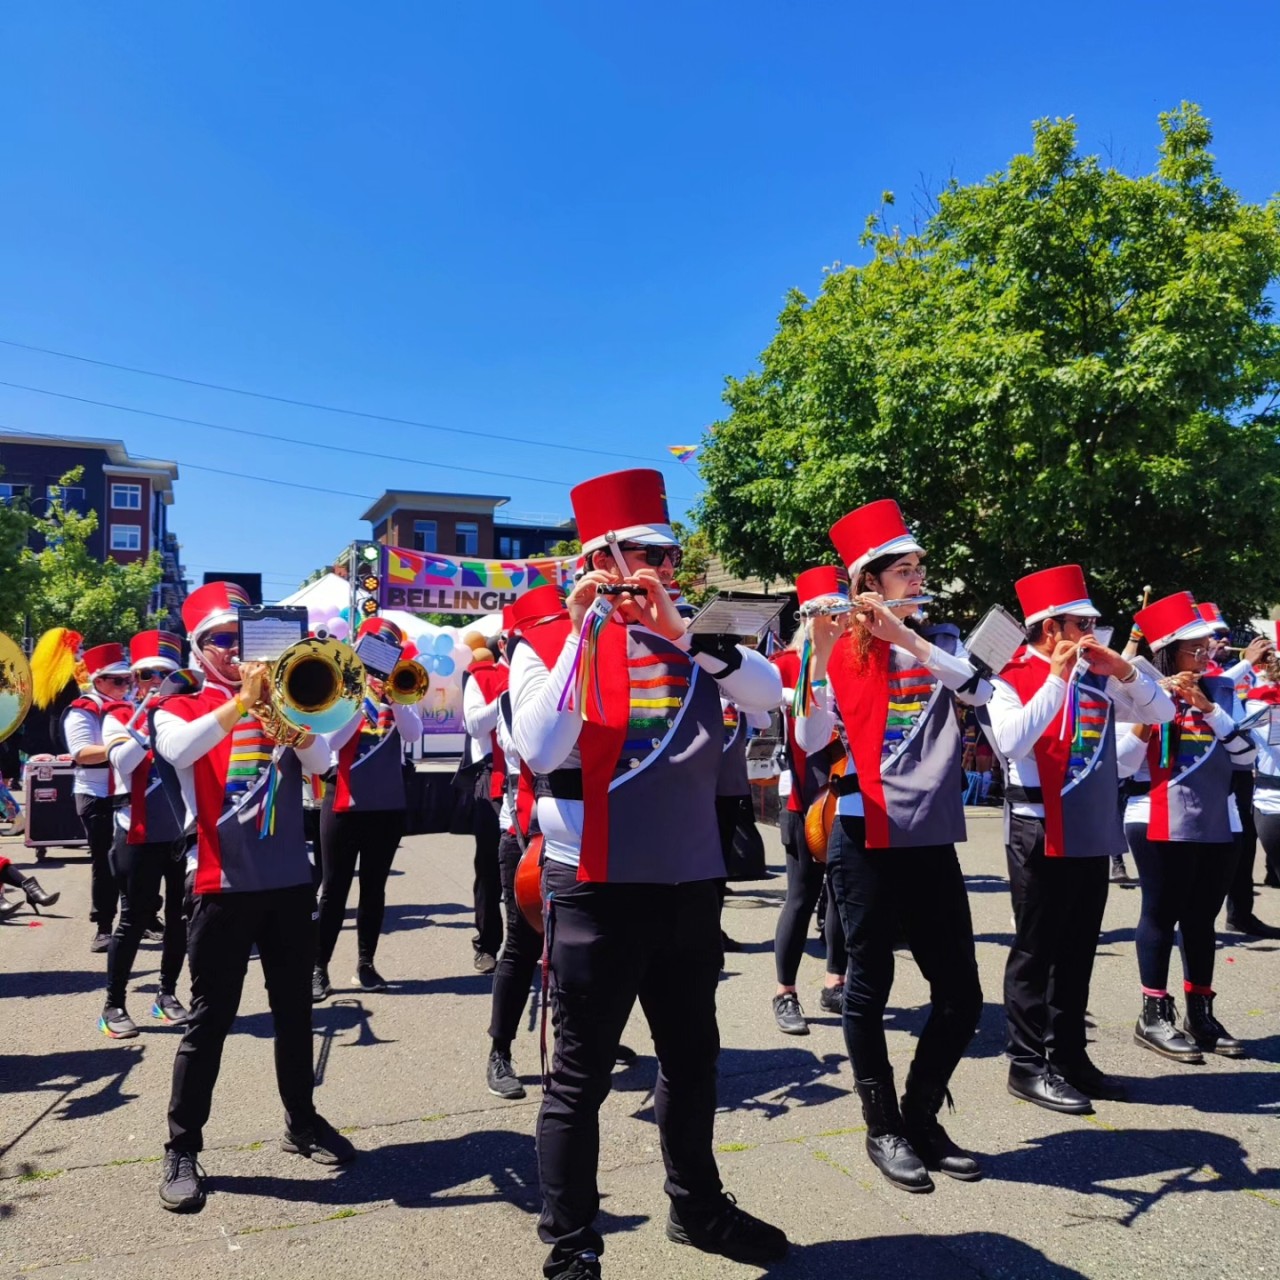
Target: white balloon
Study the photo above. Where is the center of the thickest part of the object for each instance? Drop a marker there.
(338, 628)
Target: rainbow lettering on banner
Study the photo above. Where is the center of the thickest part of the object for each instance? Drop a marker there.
(419, 582)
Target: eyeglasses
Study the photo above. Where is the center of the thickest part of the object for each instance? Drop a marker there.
(115, 680)
(222, 639)
(1198, 652)
(151, 673)
(1081, 624)
(655, 555)
(907, 574)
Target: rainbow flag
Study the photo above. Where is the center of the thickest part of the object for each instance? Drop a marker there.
(682, 452)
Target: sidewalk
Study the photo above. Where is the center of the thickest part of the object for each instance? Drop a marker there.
(1183, 1180)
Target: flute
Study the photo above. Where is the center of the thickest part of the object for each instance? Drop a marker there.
(851, 606)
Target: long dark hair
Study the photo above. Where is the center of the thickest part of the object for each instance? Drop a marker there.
(861, 636)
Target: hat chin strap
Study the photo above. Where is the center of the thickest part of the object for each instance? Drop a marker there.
(611, 541)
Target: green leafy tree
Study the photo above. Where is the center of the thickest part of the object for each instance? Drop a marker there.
(18, 574)
(566, 547)
(1065, 363)
(692, 578)
(103, 601)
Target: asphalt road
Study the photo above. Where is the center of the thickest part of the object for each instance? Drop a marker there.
(1184, 1179)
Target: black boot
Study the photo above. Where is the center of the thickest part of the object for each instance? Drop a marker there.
(887, 1144)
(36, 896)
(1208, 1033)
(1157, 1030)
(920, 1106)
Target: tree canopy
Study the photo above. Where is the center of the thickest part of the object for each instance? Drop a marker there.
(1064, 363)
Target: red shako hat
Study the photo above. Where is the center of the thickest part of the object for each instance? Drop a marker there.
(824, 580)
(106, 660)
(1048, 592)
(1173, 618)
(869, 532)
(1213, 615)
(409, 653)
(541, 602)
(630, 505)
(155, 649)
(213, 605)
(382, 628)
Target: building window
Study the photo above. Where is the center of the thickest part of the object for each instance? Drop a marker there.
(126, 497)
(126, 537)
(467, 538)
(8, 492)
(71, 496)
(424, 535)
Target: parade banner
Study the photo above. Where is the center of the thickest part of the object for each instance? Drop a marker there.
(423, 582)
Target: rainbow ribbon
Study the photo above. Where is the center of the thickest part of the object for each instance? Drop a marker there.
(802, 696)
(584, 675)
(267, 814)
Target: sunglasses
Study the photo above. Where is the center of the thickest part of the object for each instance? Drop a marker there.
(222, 639)
(151, 673)
(654, 556)
(116, 680)
(1082, 624)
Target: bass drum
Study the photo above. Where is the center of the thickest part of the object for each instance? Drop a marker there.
(820, 817)
(529, 883)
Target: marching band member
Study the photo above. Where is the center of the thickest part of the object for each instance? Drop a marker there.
(1179, 825)
(1052, 720)
(363, 817)
(110, 681)
(250, 884)
(522, 948)
(892, 854)
(815, 588)
(483, 683)
(149, 846)
(1265, 696)
(618, 712)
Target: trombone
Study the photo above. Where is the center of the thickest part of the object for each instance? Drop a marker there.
(408, 682)
(315, 686)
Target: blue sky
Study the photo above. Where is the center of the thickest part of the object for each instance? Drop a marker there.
(563, 221)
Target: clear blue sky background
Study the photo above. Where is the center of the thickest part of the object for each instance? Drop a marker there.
(565, 220)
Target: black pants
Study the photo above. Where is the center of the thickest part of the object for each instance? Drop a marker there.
(1268, 825)
(1239, 893)
(1183, 885)
(804, 884)
(98, 817)
(140, 870)
(488, 878)
(611, 944)
(223, 929)
(877, 891)
(373, 837)
(520, 955)
(1057, 908)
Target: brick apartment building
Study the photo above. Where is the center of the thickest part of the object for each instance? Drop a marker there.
(462, 524)
(132, 497)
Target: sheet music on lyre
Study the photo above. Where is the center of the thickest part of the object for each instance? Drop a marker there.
(724, 616)
(995, 639)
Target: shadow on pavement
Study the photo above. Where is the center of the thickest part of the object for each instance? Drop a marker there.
(418, 915)
(60, 982)
(1221, 1092)
(1084, 1160)
(911, 1256)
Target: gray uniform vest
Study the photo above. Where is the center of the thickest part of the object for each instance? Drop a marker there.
(276, 861)
(732, 779)
(375, 778)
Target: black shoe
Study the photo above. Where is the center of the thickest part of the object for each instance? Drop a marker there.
(182, 1186)
(320, 988)
(502, 1078)
(101, 942)
(1252, 927)
(1157, 1030)
(1081, 1074)
(920, 1106)
(484, 962)
(1049, 1090)
(584, 1266)
(788, 1014)
(1205, 1029)
(36, 896)
(367, 978)
(117, 1024)
(831, 999)
(728, 944)
(887, 1144)
(728, 1231)
(168, 1008)
(320, 1142)
(1119, 873)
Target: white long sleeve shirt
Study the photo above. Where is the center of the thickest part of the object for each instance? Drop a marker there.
(83, 729)
(814, 731)
(125, 753)
(1265, 799)
(1015, 728)
(479, 718)
(546, 737)
(408, 720)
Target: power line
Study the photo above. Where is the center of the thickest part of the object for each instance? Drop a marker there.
(325, 408)
(295, 440)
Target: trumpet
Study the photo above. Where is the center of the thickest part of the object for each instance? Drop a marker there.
(15, 686)
(408, 682)
(315, 686)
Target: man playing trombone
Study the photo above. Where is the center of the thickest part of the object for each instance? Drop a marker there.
(250, 883)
